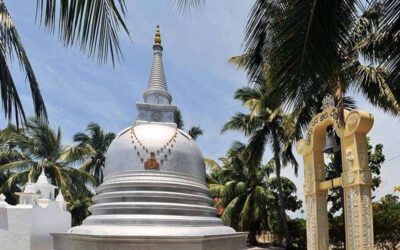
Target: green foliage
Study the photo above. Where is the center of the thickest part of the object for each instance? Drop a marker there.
(338, 46)
(79, 205)
(26, 151)
(194, 132)
(266, 125)
(337, 231)
(241, 190)
(375, 161)
(247, 193)
(387, 222)
(92, 25)
(91, 150)
(299, 233)
(9, 152)
(11, 48)
(178, 119)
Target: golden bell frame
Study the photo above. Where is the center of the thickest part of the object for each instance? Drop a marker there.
(356, 179)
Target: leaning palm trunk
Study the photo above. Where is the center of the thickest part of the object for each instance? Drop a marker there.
(288, 237)
(289, 244)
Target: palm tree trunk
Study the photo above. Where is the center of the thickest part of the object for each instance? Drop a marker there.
(337, 161)
(252, 236)
(289, 243)
(277, 160)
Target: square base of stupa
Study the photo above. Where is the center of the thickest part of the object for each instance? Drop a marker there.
(67, 241)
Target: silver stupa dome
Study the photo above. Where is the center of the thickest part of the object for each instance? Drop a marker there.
(154, 181)
(183, 157)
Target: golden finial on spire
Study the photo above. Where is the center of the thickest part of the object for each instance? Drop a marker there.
(157, 39)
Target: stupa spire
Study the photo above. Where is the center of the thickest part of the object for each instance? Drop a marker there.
(157, 105)
(157, 90)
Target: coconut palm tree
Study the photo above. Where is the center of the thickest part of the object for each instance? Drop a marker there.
(41, 149)
(194, 132)
(9, 152)
(93, 26)
(79, 206)
(314, 48)
(9, 190)
(387, 39)
(241, 189)
(91, 150)
(265, 126)
(248, 196)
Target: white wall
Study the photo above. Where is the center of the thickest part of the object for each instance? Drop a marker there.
(51, 219)
(15, 227)
(26, 227)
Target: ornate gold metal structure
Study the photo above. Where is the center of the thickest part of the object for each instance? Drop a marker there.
(157, 39)
(356, 179)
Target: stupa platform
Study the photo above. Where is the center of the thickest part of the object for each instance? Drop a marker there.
(67, 241)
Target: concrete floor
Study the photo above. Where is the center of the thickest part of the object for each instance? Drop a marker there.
(264, 248)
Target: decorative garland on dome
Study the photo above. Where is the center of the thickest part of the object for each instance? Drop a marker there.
(151, 162)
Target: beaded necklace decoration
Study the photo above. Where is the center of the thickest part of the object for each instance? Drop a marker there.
(162, 153)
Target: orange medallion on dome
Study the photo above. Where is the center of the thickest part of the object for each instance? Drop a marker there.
(152, 163)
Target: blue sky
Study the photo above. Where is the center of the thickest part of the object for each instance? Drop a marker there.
(77, 90)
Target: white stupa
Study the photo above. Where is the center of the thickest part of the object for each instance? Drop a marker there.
(154, 194)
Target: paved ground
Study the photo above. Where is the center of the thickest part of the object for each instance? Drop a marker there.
(264, 248)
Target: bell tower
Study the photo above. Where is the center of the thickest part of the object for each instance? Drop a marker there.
(355, 179)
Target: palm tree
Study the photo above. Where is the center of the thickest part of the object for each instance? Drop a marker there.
(79, 206)
(387, 38)
(9, 190)
(241, 189)
(9, 152)
(93, 26)
(194, 132)
(41, 148)
(265, 126)
(91, 150)
(314, 48)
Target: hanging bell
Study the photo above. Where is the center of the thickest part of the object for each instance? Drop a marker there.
(330, 145)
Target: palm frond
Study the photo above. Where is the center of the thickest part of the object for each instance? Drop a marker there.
(81, 137)
(11, 46)
(390, 34)
(195, 132)
(242, 122)
(217, 190)
(178, 119)
(188, 6)
(246, 215)
(212, 165)
(18, 166)
(372, 83)
(92, 25)
(257, 144)
(78, 153)
(231, 210)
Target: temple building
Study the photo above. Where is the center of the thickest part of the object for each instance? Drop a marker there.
(27, 226)
(154, 194)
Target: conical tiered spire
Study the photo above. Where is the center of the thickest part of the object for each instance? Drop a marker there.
(157, 90)
(157, 101)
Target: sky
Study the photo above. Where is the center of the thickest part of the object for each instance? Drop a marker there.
(78, 90)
